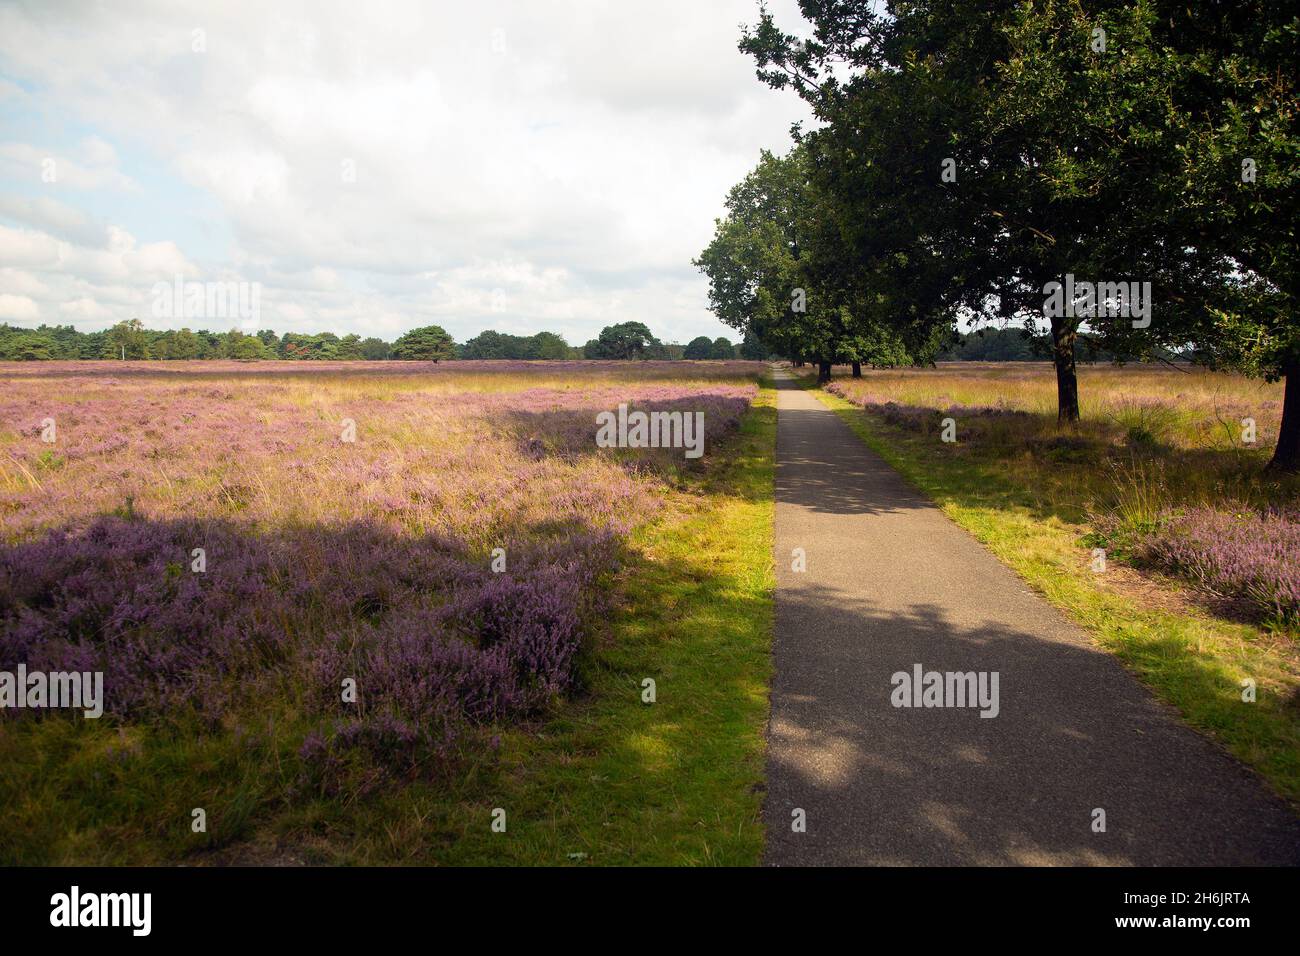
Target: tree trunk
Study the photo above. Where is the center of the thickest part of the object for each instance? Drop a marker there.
(1067, 383)
(857, 370)
(823, 372)
(1286, 457)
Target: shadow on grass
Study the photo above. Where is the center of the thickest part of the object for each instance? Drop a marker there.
(212, 630)
(572, 432)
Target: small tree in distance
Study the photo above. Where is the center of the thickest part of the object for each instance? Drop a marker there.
(698, 348)
(627, 340)
(430, 343)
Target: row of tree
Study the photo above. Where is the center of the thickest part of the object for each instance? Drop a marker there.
(131, 340)
(1122, 172)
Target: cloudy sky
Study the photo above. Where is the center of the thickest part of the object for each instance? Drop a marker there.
(375, 166)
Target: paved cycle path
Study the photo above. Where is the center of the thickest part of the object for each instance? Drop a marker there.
(891, 583)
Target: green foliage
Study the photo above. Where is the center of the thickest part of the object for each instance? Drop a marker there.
(698, 348)
(626, 340)
(752, 349)
(493, 345)
(66, 343)
(778, 272)
(992, 345)
(968, 154)
(431, 343)
(243, 347)
(349, 348)
(182, 344)
(375, 350)
(549, 345)
(127, 340)
(21, 345)
(502, 345)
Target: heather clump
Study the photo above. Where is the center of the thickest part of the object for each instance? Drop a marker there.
(992, 421)
(1247, 556)
(119, 597)
(430, 630)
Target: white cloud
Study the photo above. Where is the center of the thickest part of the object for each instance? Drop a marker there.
(54, 217)
(92, 165)
(23, 247)
(87, 310)
(378, 166)
(18, 308)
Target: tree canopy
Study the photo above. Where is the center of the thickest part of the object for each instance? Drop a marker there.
(1124, 172)
(626, 340)
(490, 344)
(429, 343)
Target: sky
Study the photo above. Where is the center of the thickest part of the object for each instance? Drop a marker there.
(376, 166)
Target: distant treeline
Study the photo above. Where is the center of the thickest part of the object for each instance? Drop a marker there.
(131, 340)
(1018, 345)
(994, 345)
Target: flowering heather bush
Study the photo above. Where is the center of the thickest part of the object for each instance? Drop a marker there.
(328, 559)
(456, 375)
(1248, 556)
(424, 628)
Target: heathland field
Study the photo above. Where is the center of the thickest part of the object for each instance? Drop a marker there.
(348, 612)
(402, 612)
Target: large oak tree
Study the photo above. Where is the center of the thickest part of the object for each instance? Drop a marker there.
(974, 152)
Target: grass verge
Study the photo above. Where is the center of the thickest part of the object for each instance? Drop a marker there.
(1192, 660)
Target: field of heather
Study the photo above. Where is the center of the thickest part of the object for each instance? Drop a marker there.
(234, 545)
(480, 452)
(1180, 406)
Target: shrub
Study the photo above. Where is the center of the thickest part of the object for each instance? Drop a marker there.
(1249, 556)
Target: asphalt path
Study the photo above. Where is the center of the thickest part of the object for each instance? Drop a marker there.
(889, 584)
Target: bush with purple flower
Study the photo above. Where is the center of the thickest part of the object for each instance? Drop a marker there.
(1249, 556)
